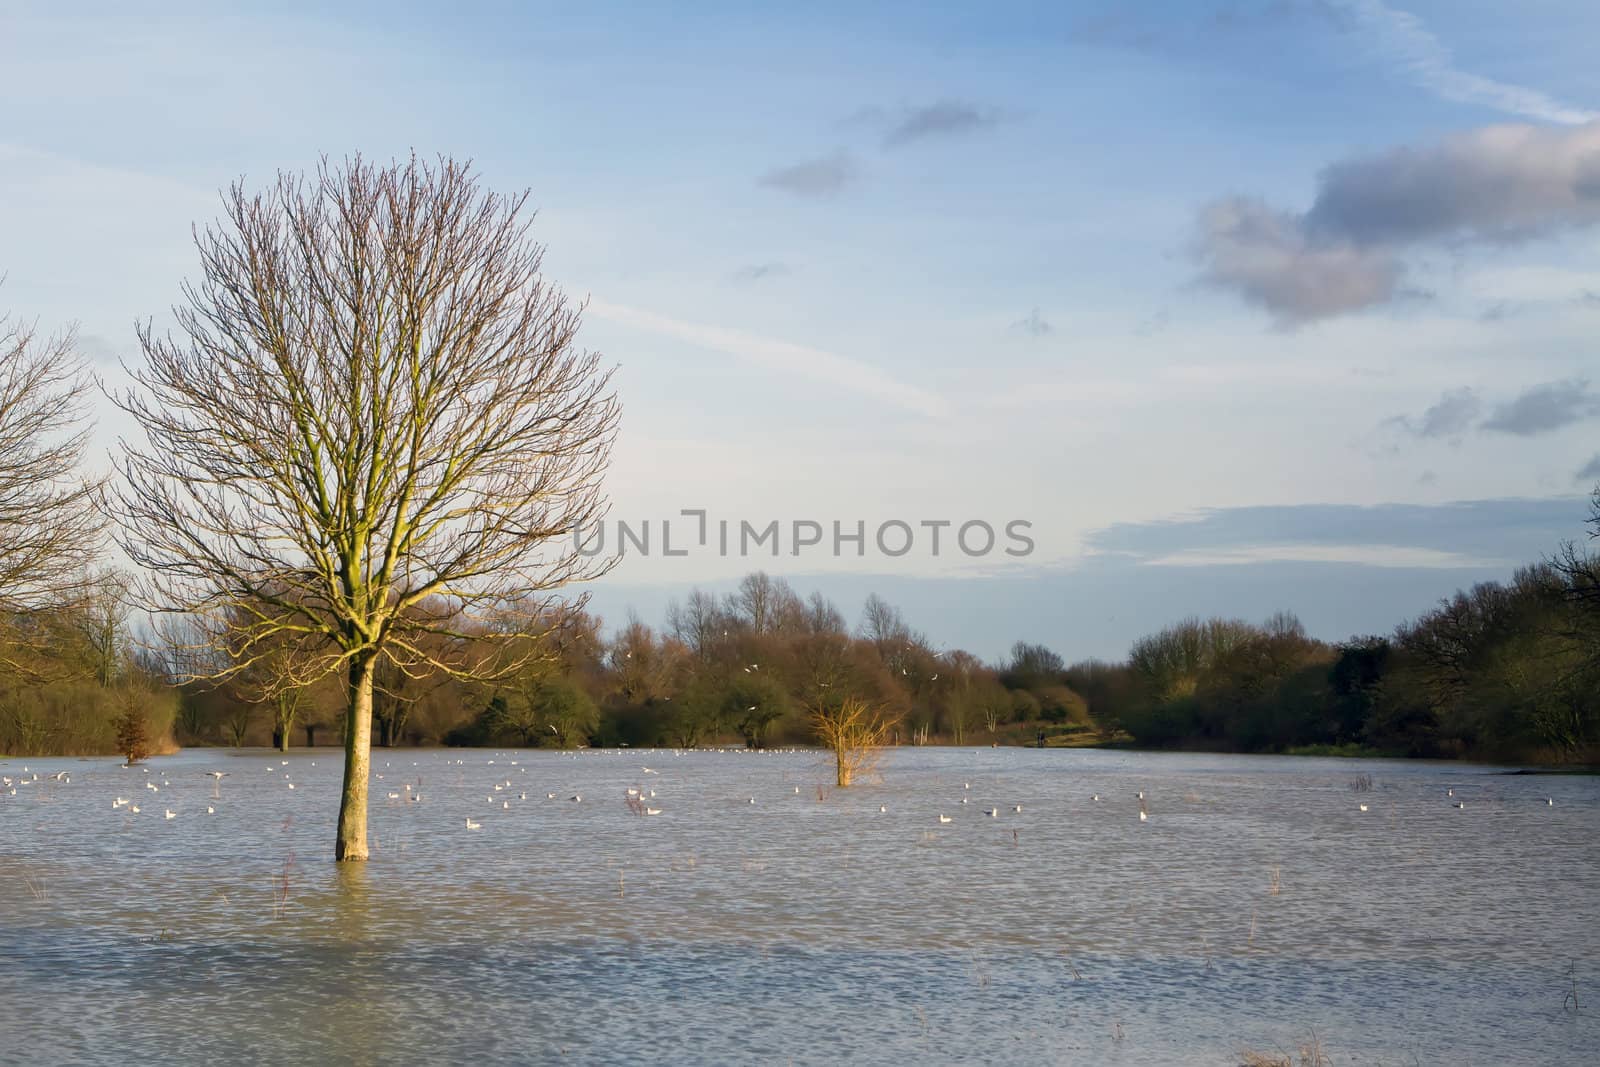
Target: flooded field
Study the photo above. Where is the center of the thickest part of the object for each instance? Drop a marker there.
(765, 917)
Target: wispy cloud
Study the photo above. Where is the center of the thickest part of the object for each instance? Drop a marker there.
(822, 177)
(783, 356)
(1590, 471)
(1033, 324)
(1401, 37)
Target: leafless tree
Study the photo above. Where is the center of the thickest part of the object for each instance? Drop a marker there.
(373, 429)
(49, 526)
(855, 731)
(102, 623)
(699, 622)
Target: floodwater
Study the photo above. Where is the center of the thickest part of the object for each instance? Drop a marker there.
(1257, 906)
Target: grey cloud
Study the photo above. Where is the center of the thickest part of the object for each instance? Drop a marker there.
(1492, 185)
(1499, 183)
(822, 177)
(754, 272)
(1546, 407)
(1450, 417)
(1590, 471)
(1034, 325)
(1269, 259)
(940, 119)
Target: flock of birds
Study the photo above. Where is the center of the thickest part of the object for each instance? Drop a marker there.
(638, 799)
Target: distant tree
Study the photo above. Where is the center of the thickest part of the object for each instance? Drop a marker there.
(698, 622)
(563, 710)
(49, 526)
(102, 624)
(133, 734)
(883, 625)
(822, 617)
(1032, 667)
(753, 702)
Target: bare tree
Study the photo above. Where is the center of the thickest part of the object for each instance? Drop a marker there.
(699, 622)
(765, 604)
(102, 623)
(374, 429)
(855, 732)
(49, 526)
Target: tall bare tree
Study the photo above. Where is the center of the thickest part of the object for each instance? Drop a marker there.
(49, 526)
(374, 428)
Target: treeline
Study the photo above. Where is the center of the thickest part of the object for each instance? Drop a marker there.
(1504, 670)
(69, 672)
(749, 669)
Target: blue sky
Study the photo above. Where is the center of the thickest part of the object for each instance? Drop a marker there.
(1242, 305)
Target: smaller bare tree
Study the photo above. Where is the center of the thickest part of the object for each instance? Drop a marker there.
(855, 732)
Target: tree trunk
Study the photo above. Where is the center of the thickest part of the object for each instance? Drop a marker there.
(352, 843)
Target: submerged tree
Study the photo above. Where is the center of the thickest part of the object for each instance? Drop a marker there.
(855, 732)
(374, 432)
(133, 734)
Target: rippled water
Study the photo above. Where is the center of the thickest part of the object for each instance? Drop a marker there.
(807, 927)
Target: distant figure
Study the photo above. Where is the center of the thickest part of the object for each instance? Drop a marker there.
(1041, 738)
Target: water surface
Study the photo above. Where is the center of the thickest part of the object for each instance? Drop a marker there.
(1257, 904)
